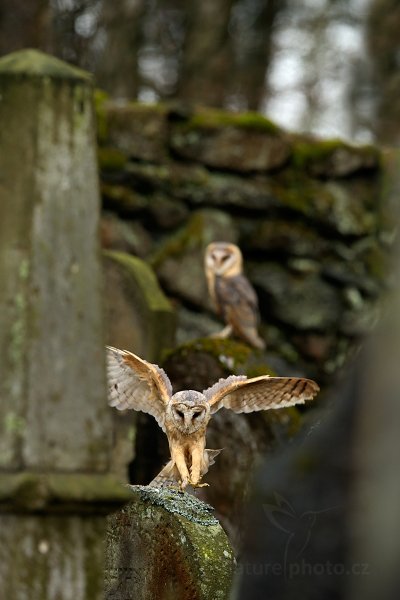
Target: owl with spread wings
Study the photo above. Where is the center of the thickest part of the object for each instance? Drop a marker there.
(137, 384)
(232, 294)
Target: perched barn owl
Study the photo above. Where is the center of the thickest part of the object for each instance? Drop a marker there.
(232, 293)
(184, 416)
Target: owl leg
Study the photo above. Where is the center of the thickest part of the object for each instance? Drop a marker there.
(195, 469)
(224, 333)
(199, 467)
(178, 458)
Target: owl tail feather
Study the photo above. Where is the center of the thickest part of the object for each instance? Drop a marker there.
(169, 474)
(250, 334)
(211, 455)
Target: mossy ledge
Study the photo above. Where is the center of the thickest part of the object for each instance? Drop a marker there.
(29, 492)
(309, 151)
(215, 119)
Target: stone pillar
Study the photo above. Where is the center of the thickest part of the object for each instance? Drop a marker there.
(166, 545)
(55, 427)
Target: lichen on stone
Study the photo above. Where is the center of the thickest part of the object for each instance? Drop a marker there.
(179, 503)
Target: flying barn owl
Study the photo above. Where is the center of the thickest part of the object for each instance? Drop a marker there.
(232, 293)
(184, 416)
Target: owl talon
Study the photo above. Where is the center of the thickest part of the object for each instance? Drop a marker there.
(223, 334)
(199, 485)
(176, 488)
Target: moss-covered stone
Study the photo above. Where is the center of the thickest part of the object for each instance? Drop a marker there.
(215, 119)
(34, 63)
(100, 100)
(333, 158)
(335, 204)
(167, 545)
(111, 159)
(139, 316)
(124, 235)
(302, 301)
(363, 265)
(196, 357)
(139, 130)
(122, 199)
(231, 142)
(198, 186)
(167, 212)
(282, 236)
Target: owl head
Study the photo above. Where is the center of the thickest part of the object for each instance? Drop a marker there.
(223, 258)
(189, 410)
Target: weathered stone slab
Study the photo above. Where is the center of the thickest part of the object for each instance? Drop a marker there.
(346, 208)
(334, 158)
(138, 130)
(167, 545)
(200, 187)
(303, 301)
(243, 143)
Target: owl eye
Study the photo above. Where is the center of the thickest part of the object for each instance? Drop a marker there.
(180, 414)
(196, 414)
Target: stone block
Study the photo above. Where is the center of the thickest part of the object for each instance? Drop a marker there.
(166, 545)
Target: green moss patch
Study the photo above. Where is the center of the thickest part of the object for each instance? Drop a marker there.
(215, 119)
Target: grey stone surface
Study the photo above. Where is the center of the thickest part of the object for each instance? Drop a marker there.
(167, 545)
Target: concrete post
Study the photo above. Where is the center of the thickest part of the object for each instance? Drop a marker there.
(55, 427)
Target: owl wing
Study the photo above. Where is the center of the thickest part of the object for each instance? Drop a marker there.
(238, 304)
(260, 393)
(237, 292)
(137, 384)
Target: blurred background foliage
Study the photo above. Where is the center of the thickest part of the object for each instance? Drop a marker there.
(329, 67)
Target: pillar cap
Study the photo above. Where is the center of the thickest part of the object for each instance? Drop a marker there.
(34, 63)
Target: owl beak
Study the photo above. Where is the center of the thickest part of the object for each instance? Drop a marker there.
(218, 257)
(188, 419)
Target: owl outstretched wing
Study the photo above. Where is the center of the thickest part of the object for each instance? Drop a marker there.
(137, 384)
(259, 393)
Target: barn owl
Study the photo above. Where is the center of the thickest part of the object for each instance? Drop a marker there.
(184, 416)
(232, 293)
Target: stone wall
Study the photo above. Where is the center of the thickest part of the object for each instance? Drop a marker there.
(312, 219)
(309, 215)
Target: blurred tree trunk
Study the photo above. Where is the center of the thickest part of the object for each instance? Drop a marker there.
(74, 28)
(383, 42)
(253, 45)
(121, 22)
(208, 53)
(24, 24)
